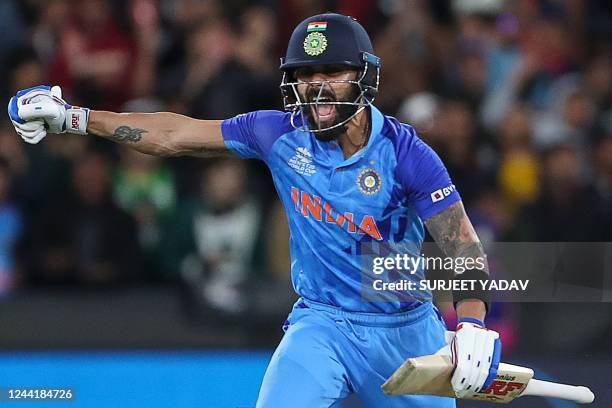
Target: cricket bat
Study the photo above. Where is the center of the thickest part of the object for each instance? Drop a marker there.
(431, 375)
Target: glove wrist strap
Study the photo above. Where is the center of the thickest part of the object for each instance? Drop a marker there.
(472, 320)
(76, 119)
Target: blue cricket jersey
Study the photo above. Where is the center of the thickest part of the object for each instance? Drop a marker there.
(335, 206)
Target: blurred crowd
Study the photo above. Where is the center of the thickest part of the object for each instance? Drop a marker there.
(514, 95)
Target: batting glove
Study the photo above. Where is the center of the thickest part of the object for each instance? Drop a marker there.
(40, 110)
(475, 352)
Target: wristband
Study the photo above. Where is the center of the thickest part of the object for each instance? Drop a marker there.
(476, 292)
(76, 119)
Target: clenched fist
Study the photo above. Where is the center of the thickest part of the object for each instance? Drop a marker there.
(40, 110)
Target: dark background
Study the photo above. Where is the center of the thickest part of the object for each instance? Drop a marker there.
(105, 248)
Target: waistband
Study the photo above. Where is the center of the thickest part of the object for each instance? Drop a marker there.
(372, 319)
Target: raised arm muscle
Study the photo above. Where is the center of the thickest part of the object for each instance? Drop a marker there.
(160, 134)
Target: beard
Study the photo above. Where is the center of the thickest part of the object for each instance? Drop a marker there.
(340, 113)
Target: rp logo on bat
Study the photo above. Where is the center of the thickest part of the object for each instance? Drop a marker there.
(503, 388)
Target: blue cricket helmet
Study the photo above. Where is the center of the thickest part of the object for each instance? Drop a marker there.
(329, 38)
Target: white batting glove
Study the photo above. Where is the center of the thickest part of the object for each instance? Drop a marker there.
(476, 352)
(40, 110)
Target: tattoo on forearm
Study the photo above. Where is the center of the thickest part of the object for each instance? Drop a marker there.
(128, 134)
(453, 232)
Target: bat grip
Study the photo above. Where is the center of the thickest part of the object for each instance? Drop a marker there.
(578, 394)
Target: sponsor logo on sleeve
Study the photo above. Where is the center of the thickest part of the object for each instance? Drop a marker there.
(441, 193)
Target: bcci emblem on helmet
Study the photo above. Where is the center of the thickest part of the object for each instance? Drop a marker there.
(369, 181)
(315, 43)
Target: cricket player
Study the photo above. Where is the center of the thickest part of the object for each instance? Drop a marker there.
(349, 177)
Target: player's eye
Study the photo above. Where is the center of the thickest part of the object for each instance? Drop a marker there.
(334, 70)
(304, 74)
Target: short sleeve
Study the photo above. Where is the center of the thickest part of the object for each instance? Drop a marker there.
(251, 135)
(426, 181)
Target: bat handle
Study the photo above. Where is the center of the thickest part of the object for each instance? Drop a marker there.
(580, 395)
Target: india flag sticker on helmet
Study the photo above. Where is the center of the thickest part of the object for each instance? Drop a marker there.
(317, 26)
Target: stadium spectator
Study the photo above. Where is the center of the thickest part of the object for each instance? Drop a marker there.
(83, 238)
(518, 176)
(221, 244)
(570, 122)
(457, 136)
(12, 152)
(14, 38)
(94, 58)
(563, 211)
(144, 186)
(210, 82)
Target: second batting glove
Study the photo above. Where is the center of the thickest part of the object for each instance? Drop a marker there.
(476, 353)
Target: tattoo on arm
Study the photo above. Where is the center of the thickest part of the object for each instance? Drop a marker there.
(128, 134)
(455, 235)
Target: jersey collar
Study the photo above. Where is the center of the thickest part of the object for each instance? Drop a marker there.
(375, 130)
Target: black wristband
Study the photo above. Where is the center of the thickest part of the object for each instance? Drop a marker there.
(475, 291)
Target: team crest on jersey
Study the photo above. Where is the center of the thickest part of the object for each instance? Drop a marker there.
(315, 43)
(301, 162)
(369, 181)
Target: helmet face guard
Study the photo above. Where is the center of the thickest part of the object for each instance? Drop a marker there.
(365, 89)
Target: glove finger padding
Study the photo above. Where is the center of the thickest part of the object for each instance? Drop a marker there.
(40, 102)
(474, 350)
(13, 111)
(29, 126)
(477, 363)
(56, 91)
(36, 138)
(487, 358)
(39, 110)
(462, 354)
(495, 360)
(46, 104)
(31, 132)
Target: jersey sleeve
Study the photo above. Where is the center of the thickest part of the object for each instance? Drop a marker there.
(424, 177)
(251, 135)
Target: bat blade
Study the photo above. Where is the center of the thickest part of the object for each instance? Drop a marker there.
(431, 375)
(427, 375)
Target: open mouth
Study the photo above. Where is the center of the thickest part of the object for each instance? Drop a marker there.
(323, 111)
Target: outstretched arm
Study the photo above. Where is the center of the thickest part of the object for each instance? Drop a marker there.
(40, 110)
(160, 134)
